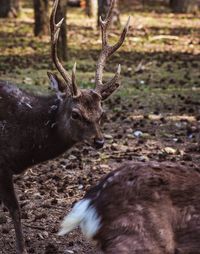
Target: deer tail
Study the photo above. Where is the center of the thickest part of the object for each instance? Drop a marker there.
(83, 214)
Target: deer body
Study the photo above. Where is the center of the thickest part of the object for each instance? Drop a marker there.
(34, 128)
(143, 208)
(38, 128)
(28, 132)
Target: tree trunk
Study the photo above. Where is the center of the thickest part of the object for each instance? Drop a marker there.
(15, 7)
(62, 42)
(91, 8)
(103, 6)
(184, 6)
(41, 26)
(5, 8)
(9, 8)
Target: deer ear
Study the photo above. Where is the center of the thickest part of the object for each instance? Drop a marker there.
(55, 83)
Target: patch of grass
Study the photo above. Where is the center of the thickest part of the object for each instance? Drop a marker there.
(151, 64)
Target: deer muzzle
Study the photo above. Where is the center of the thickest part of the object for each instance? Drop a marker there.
(98, 143)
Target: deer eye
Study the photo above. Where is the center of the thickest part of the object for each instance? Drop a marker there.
(75, 115)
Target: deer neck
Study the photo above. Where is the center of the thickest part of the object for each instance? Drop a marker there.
(49, 143)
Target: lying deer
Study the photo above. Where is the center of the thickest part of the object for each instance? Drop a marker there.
(34, 128)
(143, 208)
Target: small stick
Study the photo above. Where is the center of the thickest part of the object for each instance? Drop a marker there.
(34, 227)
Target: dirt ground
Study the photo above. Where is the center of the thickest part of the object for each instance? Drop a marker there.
(46, 192)
(154, 116)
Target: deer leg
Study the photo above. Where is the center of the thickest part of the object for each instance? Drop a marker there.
(8, 197)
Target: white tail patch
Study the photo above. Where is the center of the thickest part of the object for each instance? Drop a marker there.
(82, 214)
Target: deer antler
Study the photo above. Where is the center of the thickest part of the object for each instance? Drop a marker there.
(107, 51)
(55, 31)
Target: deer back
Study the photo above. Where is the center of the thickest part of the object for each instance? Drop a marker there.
(143, 208)
(152, 207)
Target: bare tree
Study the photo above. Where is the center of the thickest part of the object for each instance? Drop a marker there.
(91, 8)
(181, 6)
(41, 26)
(9, 8)
(103, 6)
(15, 6)
(42, 23)
(5, 7)
(62, 42)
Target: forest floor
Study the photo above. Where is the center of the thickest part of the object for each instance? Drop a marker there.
(155, 115)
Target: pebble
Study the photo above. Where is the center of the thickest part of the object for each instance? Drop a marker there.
(138, 134)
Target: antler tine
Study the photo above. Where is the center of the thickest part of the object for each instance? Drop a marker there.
(121, 39)
(112, 84)
(108, 50)
(55, 31)
(74, 84)
(105, 23)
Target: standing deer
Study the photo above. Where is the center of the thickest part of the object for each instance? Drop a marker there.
(142, 208)
(34, 128)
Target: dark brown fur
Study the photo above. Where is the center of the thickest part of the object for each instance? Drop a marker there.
(34, 129)
(37, 128)
(149, 208)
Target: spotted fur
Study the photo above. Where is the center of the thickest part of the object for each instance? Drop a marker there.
(148, 208)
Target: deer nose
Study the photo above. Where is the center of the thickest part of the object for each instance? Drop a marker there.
(98, 143)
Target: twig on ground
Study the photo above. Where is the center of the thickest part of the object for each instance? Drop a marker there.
(34, 227)
(164, 37)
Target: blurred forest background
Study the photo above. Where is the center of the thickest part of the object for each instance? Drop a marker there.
(154, 115)
(161, 31)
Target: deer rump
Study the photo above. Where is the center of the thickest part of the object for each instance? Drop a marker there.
(142, 208)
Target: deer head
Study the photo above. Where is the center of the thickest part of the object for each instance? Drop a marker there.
(80, 109)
